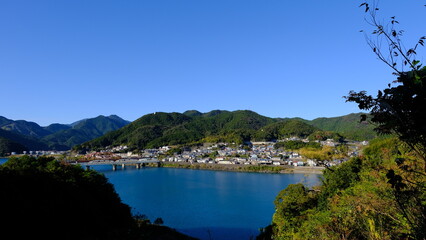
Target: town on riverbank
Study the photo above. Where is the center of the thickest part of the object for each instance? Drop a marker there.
(290, 155)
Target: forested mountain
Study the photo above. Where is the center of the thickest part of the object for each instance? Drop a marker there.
(15, 142)
(85, 130)
(18, 136)
(56, 127)
(192, 113)
(285, 128)
(8, 146)
(23, 127)
(348, 126)
(159, 129)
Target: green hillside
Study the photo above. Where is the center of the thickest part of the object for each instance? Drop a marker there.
(7, 146)
(159, 129)
(285, 128)
(348, 126)
(144, 131)
(15, 142)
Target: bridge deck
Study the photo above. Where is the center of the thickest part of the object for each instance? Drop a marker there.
(118, 162)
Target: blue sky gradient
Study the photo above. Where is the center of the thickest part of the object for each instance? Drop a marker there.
(61, 61)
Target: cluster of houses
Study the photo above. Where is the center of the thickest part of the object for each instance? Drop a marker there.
(259, 153)
(38, 153)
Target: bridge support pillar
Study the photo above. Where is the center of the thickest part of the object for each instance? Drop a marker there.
(138, 165)
(114, 167)
(123, 166)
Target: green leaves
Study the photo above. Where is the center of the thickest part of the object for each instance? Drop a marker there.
(290, 206)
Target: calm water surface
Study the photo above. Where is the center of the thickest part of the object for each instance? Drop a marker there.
(204, 204)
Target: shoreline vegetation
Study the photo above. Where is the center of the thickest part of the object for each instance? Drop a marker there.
(68, 195)
(246, 168)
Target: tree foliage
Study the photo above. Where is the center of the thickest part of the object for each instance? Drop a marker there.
(43, 198)
(399, 108)
(324, 135)
(295, 145)
(356, 200)
(291, 205)
(285, 129)
(48, 199)
(348, 126)
(382, 194)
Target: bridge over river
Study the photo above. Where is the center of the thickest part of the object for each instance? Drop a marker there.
(121, 162)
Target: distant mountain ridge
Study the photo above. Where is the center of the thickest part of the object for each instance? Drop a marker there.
(31, 136)
(85, 130)
(159, 129)
(23, 127)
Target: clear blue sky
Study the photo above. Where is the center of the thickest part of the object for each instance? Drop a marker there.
(61, 61)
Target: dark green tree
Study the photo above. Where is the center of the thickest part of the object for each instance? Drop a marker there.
(159, 221)
(339, 178)
(42, 198)
(400, 108)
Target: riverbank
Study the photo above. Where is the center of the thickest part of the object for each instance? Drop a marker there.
(245, 168)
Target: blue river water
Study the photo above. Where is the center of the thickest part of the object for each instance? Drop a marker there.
(204, 204)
